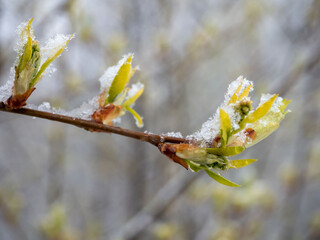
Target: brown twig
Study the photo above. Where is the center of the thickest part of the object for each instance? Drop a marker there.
(154, 139)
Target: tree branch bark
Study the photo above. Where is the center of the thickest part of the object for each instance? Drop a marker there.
(153, 139)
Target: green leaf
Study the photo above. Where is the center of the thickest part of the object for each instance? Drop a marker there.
(26, 56)
(194, 167)
(194, 154)
(27, 53)
(35, 58)
(226, 151)
(221, 179)
(225, 127)
(131, 100)
(139, 121)
(47, 63)
(120, 98)
(121, 80)
(241, 163)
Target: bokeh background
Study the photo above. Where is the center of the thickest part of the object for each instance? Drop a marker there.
(58, 182)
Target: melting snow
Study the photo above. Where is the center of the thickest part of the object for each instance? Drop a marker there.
(134, 89)
(6, 89)
(83, 112)
(173, 134)
(108, 76)
(211, 128)
(234, 85)
(53, 45)
(23, 37)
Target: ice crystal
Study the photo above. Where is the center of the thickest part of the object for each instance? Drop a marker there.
(173, 134)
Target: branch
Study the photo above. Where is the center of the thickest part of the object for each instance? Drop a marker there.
(154, 139)
(156, 207)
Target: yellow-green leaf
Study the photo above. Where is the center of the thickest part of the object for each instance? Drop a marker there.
(120, 98)
(27, 52)
(266, 125)
(221, 179)
(48, 62)
(131, 100)
(284, 105)
(136, 116)
(241, 163)
(226, 151)
(261, 110)
(195, 154)
(26, 56)
(245, 92)
(121, 80)
(234, 97)
(225, 127)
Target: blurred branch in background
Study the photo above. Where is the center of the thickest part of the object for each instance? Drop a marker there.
(295, 74)
(307, 132)
(156, 207)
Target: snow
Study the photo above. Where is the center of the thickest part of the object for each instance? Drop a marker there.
(277, 103)
(45, 106)
(173, 134)
(234, 116)
(265, 97)
(137, 122)
(83, 112)
(148, 132)
(134, 89)
(234, 85)
(211, 128)
(53, 45)
(6, 89)
(23, 37)
(108, 76)
(208, 131)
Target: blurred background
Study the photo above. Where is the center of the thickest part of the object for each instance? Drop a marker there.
(58, 182)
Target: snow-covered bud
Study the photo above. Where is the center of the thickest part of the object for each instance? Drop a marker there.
(116, 95)
(234, 127)
(28, 70)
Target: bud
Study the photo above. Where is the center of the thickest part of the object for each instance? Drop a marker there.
(28, 70)
(269, 122)
(116, 95)
(234, 127)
